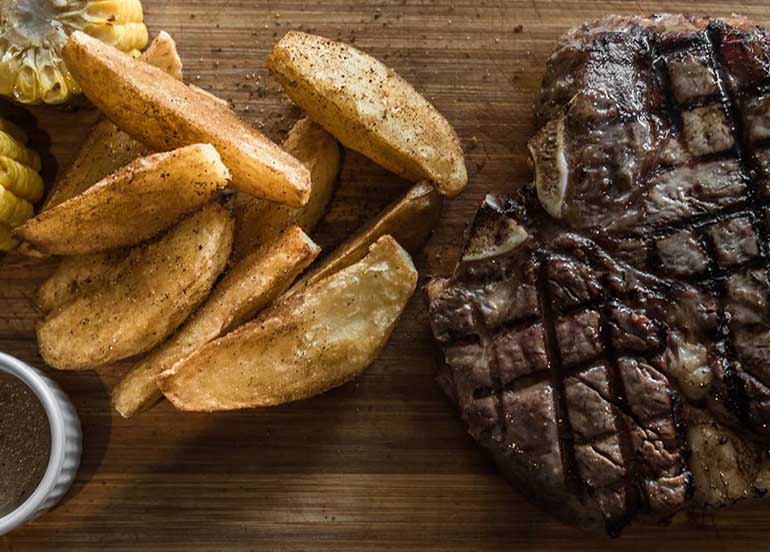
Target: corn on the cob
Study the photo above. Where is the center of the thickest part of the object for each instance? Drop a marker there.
(9, 128)
(14, 211)
(32, 33)
(7, 241)
(20, 180)
(16, 151)
(20, 183)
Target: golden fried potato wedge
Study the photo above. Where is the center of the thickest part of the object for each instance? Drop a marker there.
(251, 285)
(162, 53)
(164, 113)
(370, 109)
(258, 221)
(409, 220)
(76, 275)
(137, 202)
(107, 148)
(144, 299)
(315, 340)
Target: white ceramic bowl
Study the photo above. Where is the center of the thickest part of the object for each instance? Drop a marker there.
(66, 444)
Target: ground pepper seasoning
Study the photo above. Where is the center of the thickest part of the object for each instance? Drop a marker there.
(25, 442)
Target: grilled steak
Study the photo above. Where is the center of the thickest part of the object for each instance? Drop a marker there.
(606, 334)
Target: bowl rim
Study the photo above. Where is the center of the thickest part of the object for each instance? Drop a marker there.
(36, 381)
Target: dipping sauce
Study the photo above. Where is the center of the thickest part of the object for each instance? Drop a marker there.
(25, 442)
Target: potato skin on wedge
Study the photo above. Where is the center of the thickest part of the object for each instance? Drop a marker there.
(257, 221)
(247, 288)
(409, 220)
(145, 298)
(137, 202)
(313, 341)
(158, 110)
(107, 148)
(370, 109)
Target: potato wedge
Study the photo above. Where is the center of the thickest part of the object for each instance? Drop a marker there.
(251, 285)
(258, 222)
(76, 275)
(315, 340)
(162, 53)
(145, 299)
(370, 109)
(410, 221)
(107, 148)
(164, 113)
(139, 201)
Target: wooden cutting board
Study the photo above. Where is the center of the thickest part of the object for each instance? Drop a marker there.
(381, 463)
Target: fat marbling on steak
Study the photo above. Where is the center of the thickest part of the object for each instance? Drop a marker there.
(606, 334)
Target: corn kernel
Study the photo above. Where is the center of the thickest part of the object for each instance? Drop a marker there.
(14, 131)
(16, 151)
(7, 241)
(13, 210)
(20, 180)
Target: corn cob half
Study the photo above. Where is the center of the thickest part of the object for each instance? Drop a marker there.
(20, 183)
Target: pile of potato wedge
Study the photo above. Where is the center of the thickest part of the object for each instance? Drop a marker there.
(216, 297)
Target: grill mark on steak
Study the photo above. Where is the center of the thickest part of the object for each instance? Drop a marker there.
(742, 148)
(488, 343)
(566, 435)
(616, 523)
(651, 283)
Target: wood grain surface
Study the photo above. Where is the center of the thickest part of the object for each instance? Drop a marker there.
(382, 463)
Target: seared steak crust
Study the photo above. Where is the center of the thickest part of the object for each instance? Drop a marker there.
(606, 335)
